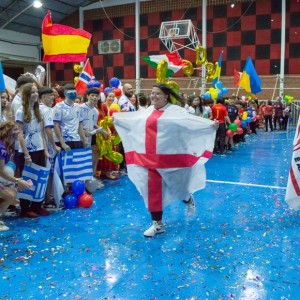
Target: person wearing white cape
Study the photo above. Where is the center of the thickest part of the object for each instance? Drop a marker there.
(165, 151)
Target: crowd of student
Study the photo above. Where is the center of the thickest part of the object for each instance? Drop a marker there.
(38, 122)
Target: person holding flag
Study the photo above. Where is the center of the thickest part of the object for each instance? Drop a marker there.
(164, 144)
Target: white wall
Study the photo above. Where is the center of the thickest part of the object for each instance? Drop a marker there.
(17, 45)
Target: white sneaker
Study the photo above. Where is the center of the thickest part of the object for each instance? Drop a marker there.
(191, 206)
(154, 229)
(3, 227)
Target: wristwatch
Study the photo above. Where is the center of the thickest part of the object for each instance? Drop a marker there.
(17, 180)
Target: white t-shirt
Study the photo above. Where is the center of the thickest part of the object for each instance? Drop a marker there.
(125, 104)
(32, 132)
(69, 118)
(90, 118)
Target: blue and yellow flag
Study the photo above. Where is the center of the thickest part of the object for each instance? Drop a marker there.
(217, 74)
(2, 83)
(250, 81)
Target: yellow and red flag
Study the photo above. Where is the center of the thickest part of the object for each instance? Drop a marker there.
(63, 43)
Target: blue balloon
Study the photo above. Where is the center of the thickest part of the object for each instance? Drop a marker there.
(70, 201)
(93, 84)
(78, 187)
(107, 90)
(244, 124)
(224, 90)
(219, 85)
(206, 96)
(220, 94)
(249, 120)
(114, 82)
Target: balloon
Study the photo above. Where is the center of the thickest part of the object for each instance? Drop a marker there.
(244, 124)
(12, 165)
(92, 185)
(239, 130)
(108, 90)
(117, 92)
(70, 201)
(219, 85)
(201, 55)
(249, 120)
(101, 88)
(78, 187)
(114, 82)
(258, 117)
(237, 122)
(112, 111)
(77, 68)
(75, 79)
(85, 200)
(161, 71)
(229, 133)
(243, 98)
(233, 127)
(206, 95)
(188, 68)
(93, 84)
(224, 90)
(253, 119)
(115, 157)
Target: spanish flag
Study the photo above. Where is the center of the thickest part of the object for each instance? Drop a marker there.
(63, 43)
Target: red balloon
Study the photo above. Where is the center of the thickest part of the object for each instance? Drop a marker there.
(258, 117)
(229, 133)
(112, 111)
(253, 119)
(239, 130)
(101, 88)
(238, 123)
(117, 92)
(85, 200)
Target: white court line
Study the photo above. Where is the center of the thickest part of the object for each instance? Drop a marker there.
(248, 184)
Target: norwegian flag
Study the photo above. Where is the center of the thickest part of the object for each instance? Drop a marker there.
(292, 196)
(85, 76)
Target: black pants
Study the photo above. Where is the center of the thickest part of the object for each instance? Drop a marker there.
(268, 119)
(220, 137)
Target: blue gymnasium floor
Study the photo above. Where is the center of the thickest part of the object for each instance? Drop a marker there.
(243, 242)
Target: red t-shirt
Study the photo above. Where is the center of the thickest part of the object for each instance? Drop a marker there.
(268, 110)
(219, 112)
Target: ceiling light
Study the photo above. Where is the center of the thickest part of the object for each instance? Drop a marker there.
(232, 5)
(37, 4)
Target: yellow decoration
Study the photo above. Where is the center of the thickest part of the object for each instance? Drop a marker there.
(161, 71)
(201, 55)
(77, 68)
(175, 87)
(75, 79)
(210, 71)
(115, 106)
(105, 146)
(188, 68)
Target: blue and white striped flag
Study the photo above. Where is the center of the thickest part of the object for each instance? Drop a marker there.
(77, 165)
(39, 177)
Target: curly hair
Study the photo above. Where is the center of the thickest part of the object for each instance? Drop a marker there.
(6, 129)
(26, 95)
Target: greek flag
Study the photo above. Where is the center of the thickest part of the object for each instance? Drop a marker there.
(76, 165)
(39, 177)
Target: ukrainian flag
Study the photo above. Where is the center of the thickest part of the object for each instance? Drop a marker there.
(250, 81)
(217, 74)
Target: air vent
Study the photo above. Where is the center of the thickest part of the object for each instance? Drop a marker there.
(109, 46)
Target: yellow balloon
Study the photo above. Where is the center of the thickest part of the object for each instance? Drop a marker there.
(210, 70)
(75, 79)
(77, 68)
(188, 68)
(201, 55)
(115, 106)
(161, 71)
(114, 157)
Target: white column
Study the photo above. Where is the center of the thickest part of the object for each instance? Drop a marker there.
(204, 29)
(137, 46)
(282, 52)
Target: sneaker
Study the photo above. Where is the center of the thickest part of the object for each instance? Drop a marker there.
(50, 206)
(154, 229)
(3, 227)
(12, 211)
(191, 207)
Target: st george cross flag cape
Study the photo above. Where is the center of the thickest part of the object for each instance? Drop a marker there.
(165, 152)
(39, 177)
(175, 63)
(85, 76)
(292, 196)
(63, 43)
